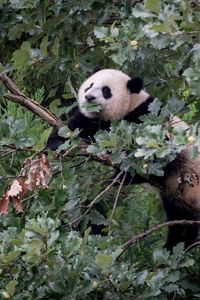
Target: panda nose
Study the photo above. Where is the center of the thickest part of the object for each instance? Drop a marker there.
(89, 98)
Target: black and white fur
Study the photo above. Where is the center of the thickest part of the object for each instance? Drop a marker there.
(121, 97)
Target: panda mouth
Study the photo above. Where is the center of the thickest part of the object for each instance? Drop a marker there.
(92, 107)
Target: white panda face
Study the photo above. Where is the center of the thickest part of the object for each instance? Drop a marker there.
(107, 88)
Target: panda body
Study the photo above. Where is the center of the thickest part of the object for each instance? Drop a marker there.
(183, 180)
(123, 98)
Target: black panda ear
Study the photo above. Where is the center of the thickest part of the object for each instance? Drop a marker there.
(135, 85)
(96, 69)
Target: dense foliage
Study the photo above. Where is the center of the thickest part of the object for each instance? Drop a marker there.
(52, 250)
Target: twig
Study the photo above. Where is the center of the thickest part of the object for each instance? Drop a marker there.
(192, 246)
(89, 207)
(111, 283)
(73, 209)
(9, 177)
(30, 197)
(105, 159)
(12, 158)
(142, 235)
(116, 199)
(7, 154)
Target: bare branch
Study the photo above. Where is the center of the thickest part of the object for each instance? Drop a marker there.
(197, 243)
(142, 235)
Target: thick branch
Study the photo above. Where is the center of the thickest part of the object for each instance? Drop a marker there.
(17, 96)
(10, 85)
(36, 108)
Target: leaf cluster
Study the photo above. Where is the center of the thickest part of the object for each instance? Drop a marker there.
(146, 148)
(48, 261)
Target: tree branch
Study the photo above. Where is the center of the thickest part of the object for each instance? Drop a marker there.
(142, 235)
(15, 95)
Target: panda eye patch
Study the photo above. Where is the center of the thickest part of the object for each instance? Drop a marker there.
(89, 87)
(106, 92)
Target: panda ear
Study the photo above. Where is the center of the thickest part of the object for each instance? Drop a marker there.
(135, 85)
(96, 69)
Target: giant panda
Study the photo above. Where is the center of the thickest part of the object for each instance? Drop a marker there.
(124, 98)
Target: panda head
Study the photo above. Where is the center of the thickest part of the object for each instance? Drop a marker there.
(115, 92)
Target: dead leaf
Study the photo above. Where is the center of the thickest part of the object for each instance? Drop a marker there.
(15, 189)
(37, 173)
(14, 194)
(4, 202)
(16, 202)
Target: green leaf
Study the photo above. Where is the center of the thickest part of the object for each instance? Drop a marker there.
(10, 287)
(114, 32)
(2, 2)
(55, 47)
(13, 255)
(92, 107)
(53, 238)
(97, 218)
(73, 244)
(93, 149)
(161, 255)
(164, 27)
(63, 131)
(119, 58)
(103, 261)
(152, 5)
(43, 46)
(140, 12)
(16, 31)
(85, 239)
(178, 251)
(21, 58)
(154, 107)
(161, 41)
(43, 138)
(187, 263)
(101, 32)
(143, 152)
(152, 143)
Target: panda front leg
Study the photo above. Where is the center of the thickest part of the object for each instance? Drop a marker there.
(179, 233)
(87, 126)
